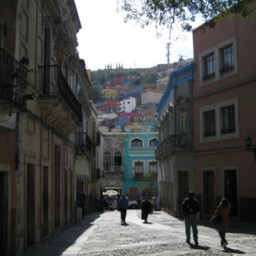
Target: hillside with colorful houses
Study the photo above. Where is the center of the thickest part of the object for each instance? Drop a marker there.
(126, 99)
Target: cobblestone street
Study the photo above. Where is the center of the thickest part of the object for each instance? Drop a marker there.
(101, 234)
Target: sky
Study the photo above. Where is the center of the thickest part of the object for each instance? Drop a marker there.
(105, 39)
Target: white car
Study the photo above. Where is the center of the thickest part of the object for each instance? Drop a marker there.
(132, 204)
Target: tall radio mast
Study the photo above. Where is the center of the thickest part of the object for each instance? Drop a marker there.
(168, 52)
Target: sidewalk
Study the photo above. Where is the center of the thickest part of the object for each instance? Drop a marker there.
(101, 234)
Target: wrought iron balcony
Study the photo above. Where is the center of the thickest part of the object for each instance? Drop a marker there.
(13, 82)
(227, 68)
(113, 168)
(208, 77)
(83, 144)
(173, 142)
(138, 175)
(55, 87)
(148, 176)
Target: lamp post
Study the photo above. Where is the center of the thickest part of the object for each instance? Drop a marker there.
(249, 146)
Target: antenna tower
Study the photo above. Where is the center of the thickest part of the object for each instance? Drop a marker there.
(168, 53)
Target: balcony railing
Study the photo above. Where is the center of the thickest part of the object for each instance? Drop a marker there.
(113, 168)
(208, 77)
(138, 175)
(54, 84)
(147, 176)
(13, 81)
(173, 142)
(83, 143)
(227, 69)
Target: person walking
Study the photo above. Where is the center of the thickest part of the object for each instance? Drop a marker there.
(146, 208)
(191, 210)
(223, 209)
(122, 206)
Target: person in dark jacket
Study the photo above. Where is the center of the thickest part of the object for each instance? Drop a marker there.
(190, 209)
(146, 208)
(122, 206)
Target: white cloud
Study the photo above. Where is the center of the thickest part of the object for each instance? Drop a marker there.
(106, 39)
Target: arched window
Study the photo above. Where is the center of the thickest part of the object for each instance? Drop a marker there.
(106, 160)
(153, 142)
(136, 143)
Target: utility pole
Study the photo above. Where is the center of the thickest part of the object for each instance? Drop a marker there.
(168, 52)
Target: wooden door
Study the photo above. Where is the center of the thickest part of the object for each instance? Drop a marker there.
(209, 203)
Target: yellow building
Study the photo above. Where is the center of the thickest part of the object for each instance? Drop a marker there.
(109, 93)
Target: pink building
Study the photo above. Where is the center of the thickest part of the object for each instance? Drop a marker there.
(224, 115)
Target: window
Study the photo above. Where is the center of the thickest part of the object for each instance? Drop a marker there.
(138, 166)
(208, 62)
(106, 161)
(152, 166)
(153, 142)
(209, 123)
(138, 169)
(220, 120)
(136, 143)
(183, 119)
(227, 59)
(227, 119)
(221, 58)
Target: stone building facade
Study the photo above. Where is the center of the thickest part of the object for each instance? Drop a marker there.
(40, 116)
(110, 157)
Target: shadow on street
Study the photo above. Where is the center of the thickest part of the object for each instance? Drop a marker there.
(234, 227)
(60, 243)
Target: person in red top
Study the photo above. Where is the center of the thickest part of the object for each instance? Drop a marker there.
(223, 209)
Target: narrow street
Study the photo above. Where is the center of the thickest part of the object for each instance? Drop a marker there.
(101, 234)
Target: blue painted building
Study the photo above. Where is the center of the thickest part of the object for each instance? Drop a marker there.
(174, 152)
(139, 159)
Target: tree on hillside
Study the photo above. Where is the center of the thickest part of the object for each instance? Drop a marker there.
(149, 78)
(167, 12)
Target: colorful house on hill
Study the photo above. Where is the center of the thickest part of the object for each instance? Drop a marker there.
(124, 118)
(118, 80)
(139, 160)
(128, 105)
(110, 106)
(109, 93)
(127, 83)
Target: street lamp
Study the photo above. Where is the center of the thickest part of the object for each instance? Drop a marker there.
(249, 146)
